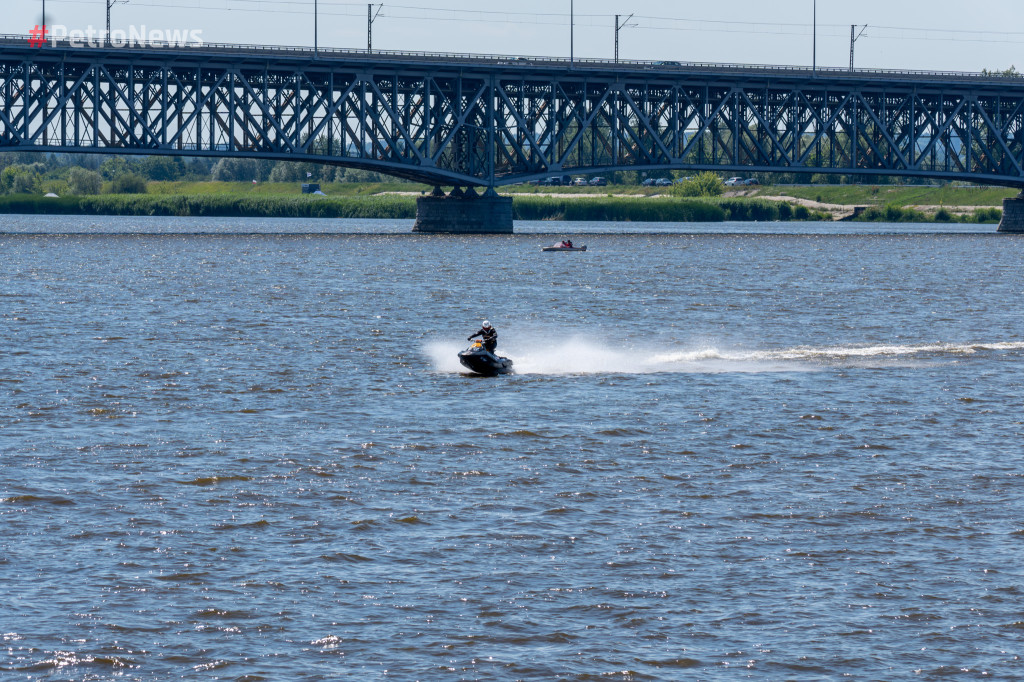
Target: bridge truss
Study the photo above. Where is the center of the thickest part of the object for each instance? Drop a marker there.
(493, 121)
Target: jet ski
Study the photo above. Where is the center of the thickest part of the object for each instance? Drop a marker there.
(478, 359)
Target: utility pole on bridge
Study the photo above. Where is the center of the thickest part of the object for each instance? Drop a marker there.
(853, 40)
(618, 27)
(572, 35)
(370, 18)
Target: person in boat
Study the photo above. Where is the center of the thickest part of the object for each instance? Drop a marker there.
(568, 243)
(489, 335)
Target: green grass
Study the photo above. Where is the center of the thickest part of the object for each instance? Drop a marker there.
(669, 210)
(850, 195)
(280, 189)
(280, 200)
(853, 195)
(898, 214)
(215, 206)
(602, 208)
(884, 195)
(597, 208)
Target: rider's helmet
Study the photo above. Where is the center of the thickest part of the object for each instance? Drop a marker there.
(487, 325)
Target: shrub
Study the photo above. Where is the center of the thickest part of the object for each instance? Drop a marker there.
(162, 168)
(706, 184)
(987, 215)
(129, 183)
(113, 167)
(19, 179)
(617, 209)
(235, 170)
(892, 214)
(747, 210)
(24, 183)
(82, 181)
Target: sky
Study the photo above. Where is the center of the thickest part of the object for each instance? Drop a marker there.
(943, 35)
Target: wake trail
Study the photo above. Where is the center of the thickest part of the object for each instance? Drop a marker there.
(579, 355)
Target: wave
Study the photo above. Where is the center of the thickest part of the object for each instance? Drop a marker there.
(845, 352)
(897, 350)
(578, 355)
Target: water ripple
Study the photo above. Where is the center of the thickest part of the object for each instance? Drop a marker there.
(724, 457)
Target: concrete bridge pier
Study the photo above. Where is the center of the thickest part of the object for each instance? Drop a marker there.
(1013, 215)
(463, 212)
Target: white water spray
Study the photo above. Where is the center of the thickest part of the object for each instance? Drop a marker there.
(578, 355)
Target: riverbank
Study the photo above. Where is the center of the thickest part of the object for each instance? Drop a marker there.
(623, 203)
(883, 203)
(635, 209)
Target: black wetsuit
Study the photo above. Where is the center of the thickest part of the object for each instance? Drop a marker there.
(489, 337)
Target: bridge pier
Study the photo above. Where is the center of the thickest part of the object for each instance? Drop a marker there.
(1013, 215)
(463, 212)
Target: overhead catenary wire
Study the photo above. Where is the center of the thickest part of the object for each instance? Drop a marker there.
(643, 22)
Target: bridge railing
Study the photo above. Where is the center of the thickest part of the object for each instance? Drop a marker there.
(242, 49)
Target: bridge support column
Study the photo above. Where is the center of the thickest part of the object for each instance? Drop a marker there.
(463, 213)
(1013, 215)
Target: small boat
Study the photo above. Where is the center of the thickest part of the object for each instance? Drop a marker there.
(564, 246)
(478, 359)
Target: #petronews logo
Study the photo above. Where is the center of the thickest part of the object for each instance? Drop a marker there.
(135, 36)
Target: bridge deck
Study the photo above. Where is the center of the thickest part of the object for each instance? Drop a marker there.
(632, 67)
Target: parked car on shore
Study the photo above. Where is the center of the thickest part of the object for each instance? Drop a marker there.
(556, 181)
(662, 182)
(598, 182)
(733, 182)
(751, 181)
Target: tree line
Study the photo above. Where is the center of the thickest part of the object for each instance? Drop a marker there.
(91, 174)
(88, 174)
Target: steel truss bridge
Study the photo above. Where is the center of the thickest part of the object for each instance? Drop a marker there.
(478, 120)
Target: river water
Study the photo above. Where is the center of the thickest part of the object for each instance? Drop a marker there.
(244, 450)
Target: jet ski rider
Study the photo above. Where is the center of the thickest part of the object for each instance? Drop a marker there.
(489, 335)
